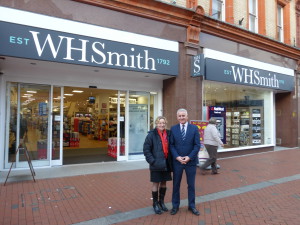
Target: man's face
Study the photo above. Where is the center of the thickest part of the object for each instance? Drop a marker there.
(182, 117)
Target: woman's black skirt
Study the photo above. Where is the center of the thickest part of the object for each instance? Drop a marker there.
(159, 176)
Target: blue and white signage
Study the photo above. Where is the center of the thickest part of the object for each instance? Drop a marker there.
(219, 67)
(197, 67)
(52, 39)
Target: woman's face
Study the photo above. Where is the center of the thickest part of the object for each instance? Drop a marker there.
(161, 125)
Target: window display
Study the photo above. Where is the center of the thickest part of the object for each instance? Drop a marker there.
(245, 108)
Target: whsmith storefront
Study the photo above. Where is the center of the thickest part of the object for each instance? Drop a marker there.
(72, 87)
(240, 93)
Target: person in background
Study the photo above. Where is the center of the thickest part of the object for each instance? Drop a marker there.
(157, 154)
(212, 140)
(184, 145)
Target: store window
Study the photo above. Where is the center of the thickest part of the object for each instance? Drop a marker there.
(27, 123)
(139, 122)
(244, 114)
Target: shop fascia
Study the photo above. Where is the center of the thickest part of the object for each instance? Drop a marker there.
(22, 40)
(97, 51)
(223, 67)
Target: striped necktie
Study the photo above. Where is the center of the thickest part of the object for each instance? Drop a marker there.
(183, 132)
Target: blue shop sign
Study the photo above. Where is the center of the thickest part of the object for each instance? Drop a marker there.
(49, 45)
(221, 71)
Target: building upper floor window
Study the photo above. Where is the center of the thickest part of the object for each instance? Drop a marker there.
(280, 23)
(218, 9)
(253, 22)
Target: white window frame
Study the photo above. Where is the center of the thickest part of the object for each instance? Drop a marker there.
(253, 19)
(280, 23)
(222, 12)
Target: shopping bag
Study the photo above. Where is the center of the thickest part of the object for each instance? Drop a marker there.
(202, 155)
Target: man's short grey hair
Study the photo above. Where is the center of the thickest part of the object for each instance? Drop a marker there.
(182, 110)
(212, 121)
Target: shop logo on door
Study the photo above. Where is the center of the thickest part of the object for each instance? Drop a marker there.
(35, 43)
(239, 74)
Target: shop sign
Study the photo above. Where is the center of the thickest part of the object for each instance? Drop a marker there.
(49, 45)
(217, 70)
(197, 67)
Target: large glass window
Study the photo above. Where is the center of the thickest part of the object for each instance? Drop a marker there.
(247, 116)
(139, 122)
(27, 123)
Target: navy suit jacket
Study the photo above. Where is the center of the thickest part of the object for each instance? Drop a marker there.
(190, 146)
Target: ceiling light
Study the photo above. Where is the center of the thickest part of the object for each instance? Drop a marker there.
(31, 92)
(68, 94)
(77, 91)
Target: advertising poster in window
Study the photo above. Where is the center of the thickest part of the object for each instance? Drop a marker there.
(201, 127)
(138, 127)
(219, 113)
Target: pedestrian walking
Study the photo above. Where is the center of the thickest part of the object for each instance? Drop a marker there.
(212, 140)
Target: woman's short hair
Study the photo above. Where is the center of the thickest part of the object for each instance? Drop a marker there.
(212, 121)
(160, 118)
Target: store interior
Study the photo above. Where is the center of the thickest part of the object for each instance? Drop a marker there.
(90, 125)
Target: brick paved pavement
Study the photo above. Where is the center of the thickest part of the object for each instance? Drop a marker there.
(251, 190)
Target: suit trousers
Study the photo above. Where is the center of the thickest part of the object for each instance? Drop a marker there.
(190, 171)
(212, 151)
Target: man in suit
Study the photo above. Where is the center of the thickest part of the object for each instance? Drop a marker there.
(184, 146)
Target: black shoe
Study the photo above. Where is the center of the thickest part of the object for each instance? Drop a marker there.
(194, 211)
(174, 211)
(215, 172)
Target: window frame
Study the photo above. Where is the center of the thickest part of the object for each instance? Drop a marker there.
(280, 23)
(222, 11)
(253, 15)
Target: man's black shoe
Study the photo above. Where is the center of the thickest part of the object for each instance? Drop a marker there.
(194, 211)
(174, 211)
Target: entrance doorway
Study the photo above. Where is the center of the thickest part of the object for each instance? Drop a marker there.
(89, 125)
